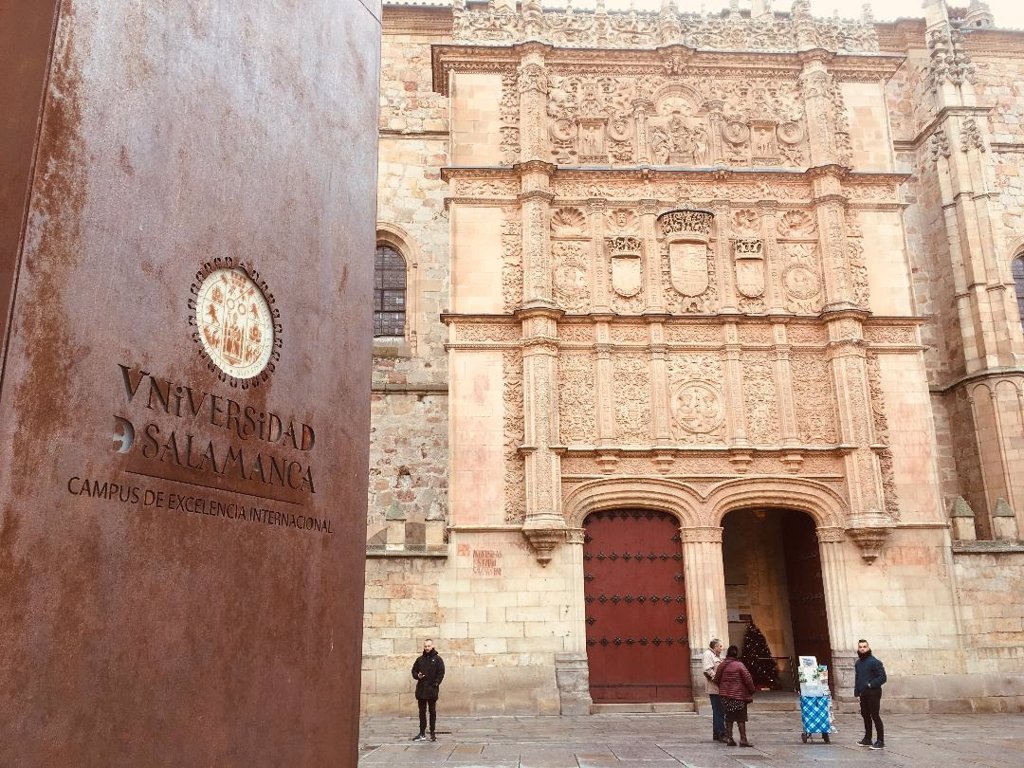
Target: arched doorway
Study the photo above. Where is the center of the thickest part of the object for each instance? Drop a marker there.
(773, 579)
(637, 640)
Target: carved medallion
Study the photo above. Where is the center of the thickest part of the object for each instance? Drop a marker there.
(697, 407)
(801, 282)
(234, 321)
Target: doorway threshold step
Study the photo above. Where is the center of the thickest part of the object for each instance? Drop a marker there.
(630, 708)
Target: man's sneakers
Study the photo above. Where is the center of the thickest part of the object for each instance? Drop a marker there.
(420, 737)
(878, 745)
(865, 742)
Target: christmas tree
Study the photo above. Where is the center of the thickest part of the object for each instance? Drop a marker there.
(758, 658)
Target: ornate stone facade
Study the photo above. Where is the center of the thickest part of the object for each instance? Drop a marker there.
(698, 264)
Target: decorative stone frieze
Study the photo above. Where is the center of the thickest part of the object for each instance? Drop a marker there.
(648, 29)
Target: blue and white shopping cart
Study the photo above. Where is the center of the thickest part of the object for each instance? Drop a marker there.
(815, 700)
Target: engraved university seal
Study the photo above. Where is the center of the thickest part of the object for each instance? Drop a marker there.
(235, 322)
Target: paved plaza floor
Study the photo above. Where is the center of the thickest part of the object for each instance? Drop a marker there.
(664, 741)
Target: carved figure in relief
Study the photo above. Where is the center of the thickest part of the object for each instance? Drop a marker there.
(621, 220)
(569, 277)
(697, 407)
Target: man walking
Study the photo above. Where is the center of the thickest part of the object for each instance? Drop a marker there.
(869, 677)
(712, 658)
(428, 672)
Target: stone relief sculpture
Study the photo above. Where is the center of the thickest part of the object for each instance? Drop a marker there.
(693, 120)
(601, 28)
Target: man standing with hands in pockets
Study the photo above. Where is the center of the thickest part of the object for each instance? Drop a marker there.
(428, 672)
(712, 658)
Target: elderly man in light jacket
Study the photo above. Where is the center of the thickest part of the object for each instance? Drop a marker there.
(712, 658)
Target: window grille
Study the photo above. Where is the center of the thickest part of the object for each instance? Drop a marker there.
(388, 292)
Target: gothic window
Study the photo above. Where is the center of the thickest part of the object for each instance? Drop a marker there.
(388, 292)
(1018, 283)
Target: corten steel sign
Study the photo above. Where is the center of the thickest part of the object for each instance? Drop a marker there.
(187, 237)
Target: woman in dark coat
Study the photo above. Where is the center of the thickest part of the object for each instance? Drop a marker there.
(736, 687)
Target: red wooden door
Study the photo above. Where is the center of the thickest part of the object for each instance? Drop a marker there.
(637, 642)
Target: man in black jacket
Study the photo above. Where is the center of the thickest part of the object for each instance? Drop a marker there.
(428, 672)
(869, 677)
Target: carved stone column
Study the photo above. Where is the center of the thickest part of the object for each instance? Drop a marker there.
(814, 84)
(533, 94)
(829, 208)
(837, 599)
(544, 525)
(535, 200)
(572, 673)
(704, 575)
(846, 353)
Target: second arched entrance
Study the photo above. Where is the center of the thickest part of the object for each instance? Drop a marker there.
(637, 639)
(773, 580)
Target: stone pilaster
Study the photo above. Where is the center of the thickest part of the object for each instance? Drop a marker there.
(652, 257)
(705, 590)
(572, 675)
(788, 430)
(736, 417)
(605, 396)
(723, 256)
(661, 419)
(597, 208)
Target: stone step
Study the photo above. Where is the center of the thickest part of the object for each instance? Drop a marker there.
(661, 708)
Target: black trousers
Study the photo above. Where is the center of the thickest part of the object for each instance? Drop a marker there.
(424, 703)
(870, 703)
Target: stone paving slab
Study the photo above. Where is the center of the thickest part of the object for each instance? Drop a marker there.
(676, 740)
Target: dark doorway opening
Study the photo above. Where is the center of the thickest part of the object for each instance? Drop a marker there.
(773, 578)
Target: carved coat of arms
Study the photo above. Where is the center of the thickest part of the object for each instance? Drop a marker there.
(688, 267)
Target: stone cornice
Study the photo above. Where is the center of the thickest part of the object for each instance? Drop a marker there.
(655, 172)
(971, 378)
(416, 20)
